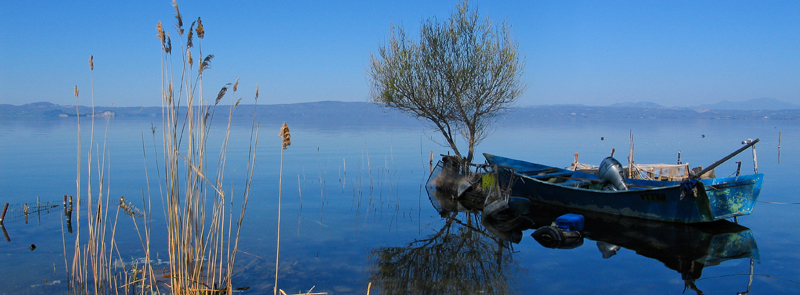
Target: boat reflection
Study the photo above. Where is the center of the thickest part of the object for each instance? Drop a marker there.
(460, 258)
(684, 248)
(471, 252)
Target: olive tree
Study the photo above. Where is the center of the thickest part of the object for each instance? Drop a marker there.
(458, 77)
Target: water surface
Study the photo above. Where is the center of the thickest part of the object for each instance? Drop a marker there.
(354, 209)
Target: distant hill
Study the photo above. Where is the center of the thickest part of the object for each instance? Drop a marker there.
(636, 105)
(320, 114)
(764, 103)
(329, 113)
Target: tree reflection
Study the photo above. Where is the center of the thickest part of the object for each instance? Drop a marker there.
(460, 258)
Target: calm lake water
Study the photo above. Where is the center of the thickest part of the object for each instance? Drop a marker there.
(355, 211)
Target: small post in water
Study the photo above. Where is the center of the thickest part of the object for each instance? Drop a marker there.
(431, 163)
(3, 216)
(5, 232)
(779, 147)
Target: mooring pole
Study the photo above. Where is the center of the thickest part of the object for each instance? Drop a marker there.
(747, 143)
(755, 160)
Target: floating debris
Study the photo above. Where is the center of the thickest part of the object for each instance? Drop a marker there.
(51, 283)
(139, 261)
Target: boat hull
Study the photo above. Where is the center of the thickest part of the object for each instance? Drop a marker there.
(711, 200)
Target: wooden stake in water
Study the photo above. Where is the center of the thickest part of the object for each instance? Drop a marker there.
(3, 216)
(5, 233)
(431, 163)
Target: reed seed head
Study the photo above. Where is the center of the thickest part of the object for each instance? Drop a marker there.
(200, 32)
(189, 55)
(256, 91)
(287, 138)
(161, 36)
(236, 85)
(206, 63)
(189, 37)
(178, 18)
(168, 46)
(76, 91)
(221, 93)
(91, 62)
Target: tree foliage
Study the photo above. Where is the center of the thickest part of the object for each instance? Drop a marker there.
(458, 77)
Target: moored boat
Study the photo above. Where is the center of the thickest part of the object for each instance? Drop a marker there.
(693, 200)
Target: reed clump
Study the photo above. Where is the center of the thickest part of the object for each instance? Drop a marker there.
(203, 234)
(202, 239)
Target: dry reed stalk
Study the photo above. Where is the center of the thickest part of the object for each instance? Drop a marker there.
(97, 253)
(299, 196)
(286, 138)
(76, 254)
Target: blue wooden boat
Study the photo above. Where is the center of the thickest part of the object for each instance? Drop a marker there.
(690, 201)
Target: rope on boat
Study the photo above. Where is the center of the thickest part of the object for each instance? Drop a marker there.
(768, 202)
(778, 203)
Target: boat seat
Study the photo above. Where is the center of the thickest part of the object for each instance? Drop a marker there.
(576, 183)
(551, 175)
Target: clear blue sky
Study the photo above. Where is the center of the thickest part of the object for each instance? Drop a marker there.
(588, 52)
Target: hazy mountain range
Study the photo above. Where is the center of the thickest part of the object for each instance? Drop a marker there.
(764, 103)
(360, 113)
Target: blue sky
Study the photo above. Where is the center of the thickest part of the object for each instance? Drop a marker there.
(589, 52)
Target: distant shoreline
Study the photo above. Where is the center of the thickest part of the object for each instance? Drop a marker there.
(345, 112)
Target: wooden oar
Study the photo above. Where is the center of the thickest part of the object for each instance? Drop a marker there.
(720, 161)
